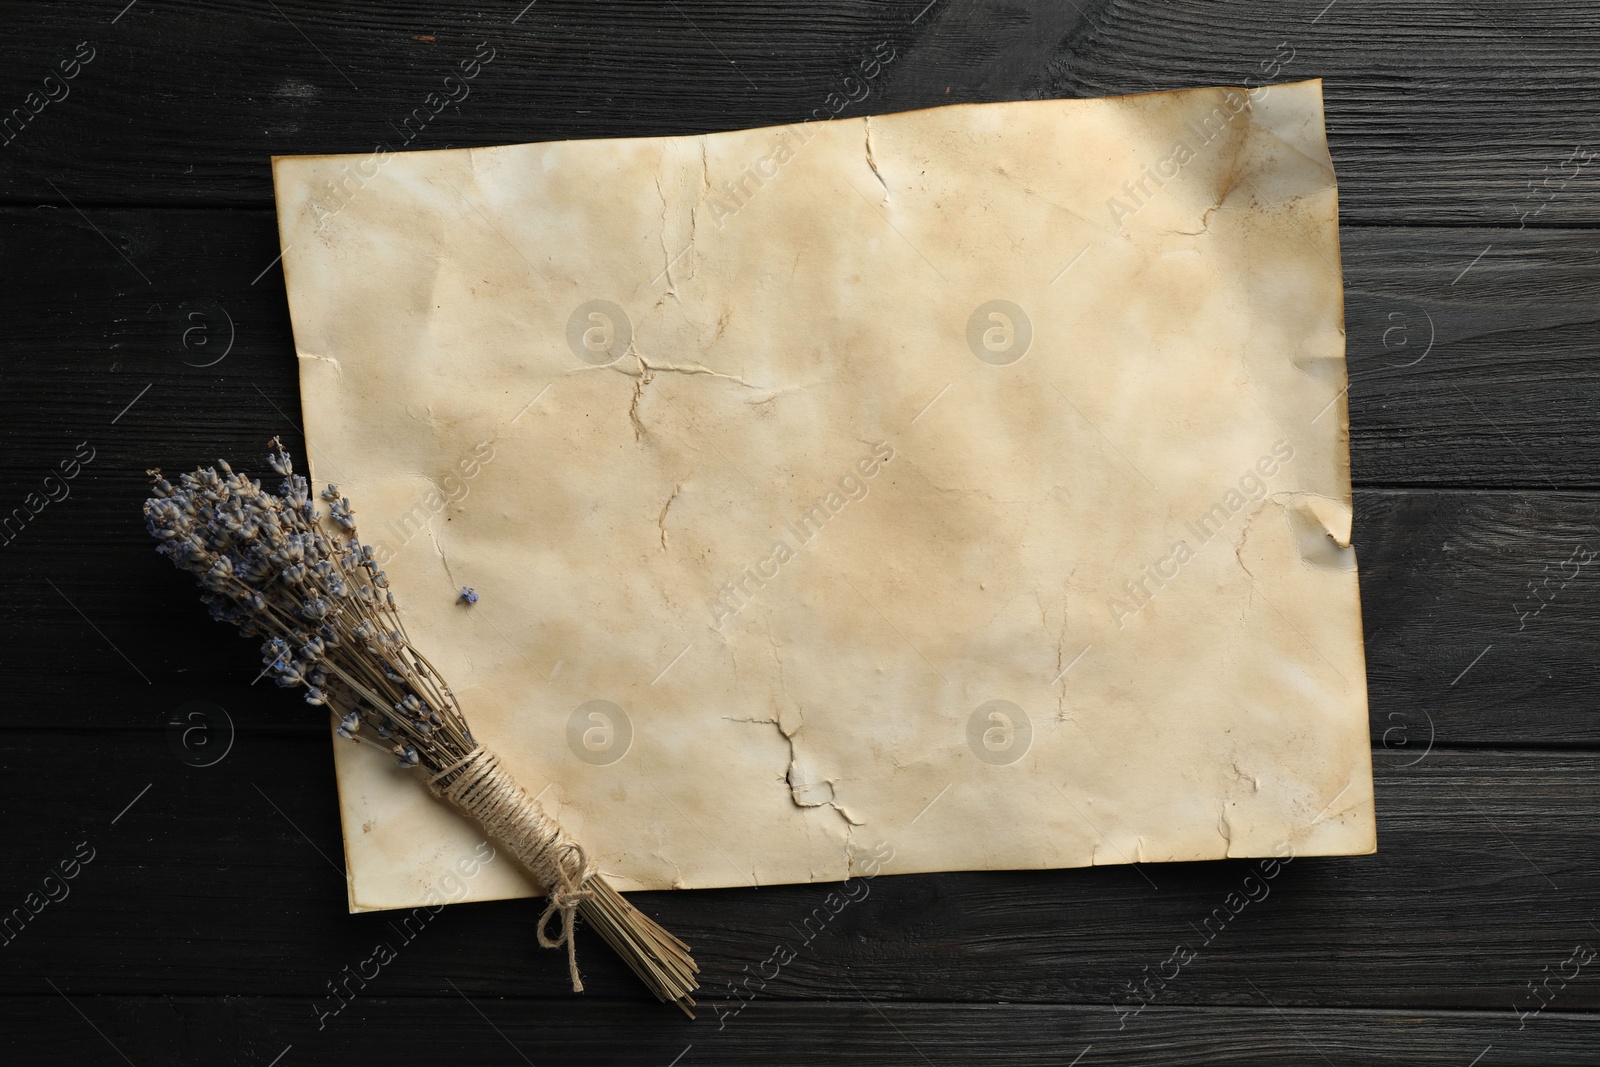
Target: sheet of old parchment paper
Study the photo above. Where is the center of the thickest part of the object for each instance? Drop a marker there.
(971, 483)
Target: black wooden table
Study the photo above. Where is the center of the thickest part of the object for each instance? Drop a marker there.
(174, 893)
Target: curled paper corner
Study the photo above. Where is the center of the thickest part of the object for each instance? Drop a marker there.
(1326, 367)
(338, 368)
(1321, 528)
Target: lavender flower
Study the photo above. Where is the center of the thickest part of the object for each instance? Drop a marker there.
(316, 597)
(315, 594)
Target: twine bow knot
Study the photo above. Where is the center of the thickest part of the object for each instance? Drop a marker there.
(480, 788)
(565, 896)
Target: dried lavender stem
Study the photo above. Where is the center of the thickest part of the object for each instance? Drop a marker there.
(267, 563)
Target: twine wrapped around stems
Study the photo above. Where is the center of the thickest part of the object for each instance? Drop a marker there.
(267, 563)
(476, 785)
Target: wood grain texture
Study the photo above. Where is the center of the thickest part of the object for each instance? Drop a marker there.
(1491, 382)
(1479, 626)
(1438, 112)
(1484, 379)
(228, 880)
(137, 246)
(205, 1031)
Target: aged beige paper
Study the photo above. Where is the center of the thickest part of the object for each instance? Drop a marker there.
(972, 481)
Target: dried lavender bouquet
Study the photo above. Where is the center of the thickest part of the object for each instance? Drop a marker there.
(269, 564)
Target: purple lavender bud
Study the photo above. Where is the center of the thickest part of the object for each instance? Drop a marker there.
(278, 459)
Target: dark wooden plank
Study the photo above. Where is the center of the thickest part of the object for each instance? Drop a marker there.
(450, 1028)
(1479, 613)
(1468, 370)
(1437, 112)
(1491, 381)
(250, 80)
(208, 925)
(1487, 378)
(226, 879)
(1480, 617)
